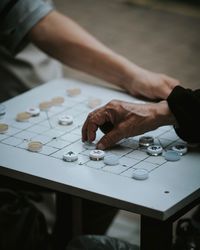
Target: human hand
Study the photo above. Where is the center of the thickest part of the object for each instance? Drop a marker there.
(119, 120)
(150, 85)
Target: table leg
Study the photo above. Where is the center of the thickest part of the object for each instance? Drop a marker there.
(155, 234)
(68, 220)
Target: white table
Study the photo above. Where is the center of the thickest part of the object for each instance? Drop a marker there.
(170, 189)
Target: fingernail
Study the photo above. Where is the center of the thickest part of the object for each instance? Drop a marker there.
(100, 146)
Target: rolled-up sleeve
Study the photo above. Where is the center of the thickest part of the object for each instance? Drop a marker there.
(17, 17)
(185, 105)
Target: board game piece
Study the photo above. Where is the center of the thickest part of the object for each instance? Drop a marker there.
(171, 155)
(45, 106)
(22, 117)
(33, 111)
(93, 103)
(97, 155)
(111, 159)
(140, 174)
(89, 145)
(129, 153)
(73, 91)
(154, 150)
(35, 146)
(180, 148)
(2, 110)
(65, 120)
(70, 156)
(146, 141)
(3, 128)
(56, 101)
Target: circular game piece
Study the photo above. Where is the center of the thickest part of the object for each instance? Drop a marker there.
(2, 110)
(65, 120)
(171, 155)
(3, 128)
(97, 155)
(146, 141)
(57, 100)
(93, 103)
(22, 117)
(140, 174)
(70, 156)
(33, 111)
(180, 148)
(35, 146)
(89, 145)
(154, 150)
(73, 91)
(111, 160)
(45, 106)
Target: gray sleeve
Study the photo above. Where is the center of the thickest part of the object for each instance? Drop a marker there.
(16, 19)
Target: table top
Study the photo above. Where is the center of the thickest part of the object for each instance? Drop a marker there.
(170, 186)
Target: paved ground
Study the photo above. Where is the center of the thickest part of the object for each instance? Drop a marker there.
(156, 39)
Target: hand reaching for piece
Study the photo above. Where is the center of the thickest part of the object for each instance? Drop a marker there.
(119, 120)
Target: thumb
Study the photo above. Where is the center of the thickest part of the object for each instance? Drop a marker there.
(110, 138)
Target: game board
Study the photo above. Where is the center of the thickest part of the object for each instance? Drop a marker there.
(58, 139)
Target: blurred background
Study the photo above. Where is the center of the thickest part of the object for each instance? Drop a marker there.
(160, 35)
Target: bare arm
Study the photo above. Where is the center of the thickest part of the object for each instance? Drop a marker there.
(66, 41)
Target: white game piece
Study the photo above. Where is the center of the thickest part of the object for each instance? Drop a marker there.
(140, 174)
(73, 91)
(65, 120)
(3, 128)
(33, 111)
(2, 110)
(154, 150)
(146, 141)
(56, 101)
(97, 155)
(45, 106)
(180, 148)
(111, 160)
(22, 117)
(171, 155)
(89, 145)
(93, 103)
(70, 156)
(35, 146)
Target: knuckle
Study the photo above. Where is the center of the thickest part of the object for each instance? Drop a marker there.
(90, 115)
(113, 102)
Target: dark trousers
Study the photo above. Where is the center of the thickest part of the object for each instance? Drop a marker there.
(74, 216)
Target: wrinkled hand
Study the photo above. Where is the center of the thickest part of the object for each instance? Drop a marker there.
(119, 120)
(150, 85)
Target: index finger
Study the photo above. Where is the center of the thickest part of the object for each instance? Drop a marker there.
(92, 123)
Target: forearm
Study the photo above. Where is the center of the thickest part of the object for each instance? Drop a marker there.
(66, 41)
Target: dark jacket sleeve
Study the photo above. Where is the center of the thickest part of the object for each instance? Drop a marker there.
(185, 105)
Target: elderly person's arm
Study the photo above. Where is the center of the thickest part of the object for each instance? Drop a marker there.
(23, 21)
(65, 40)
(120, 119)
